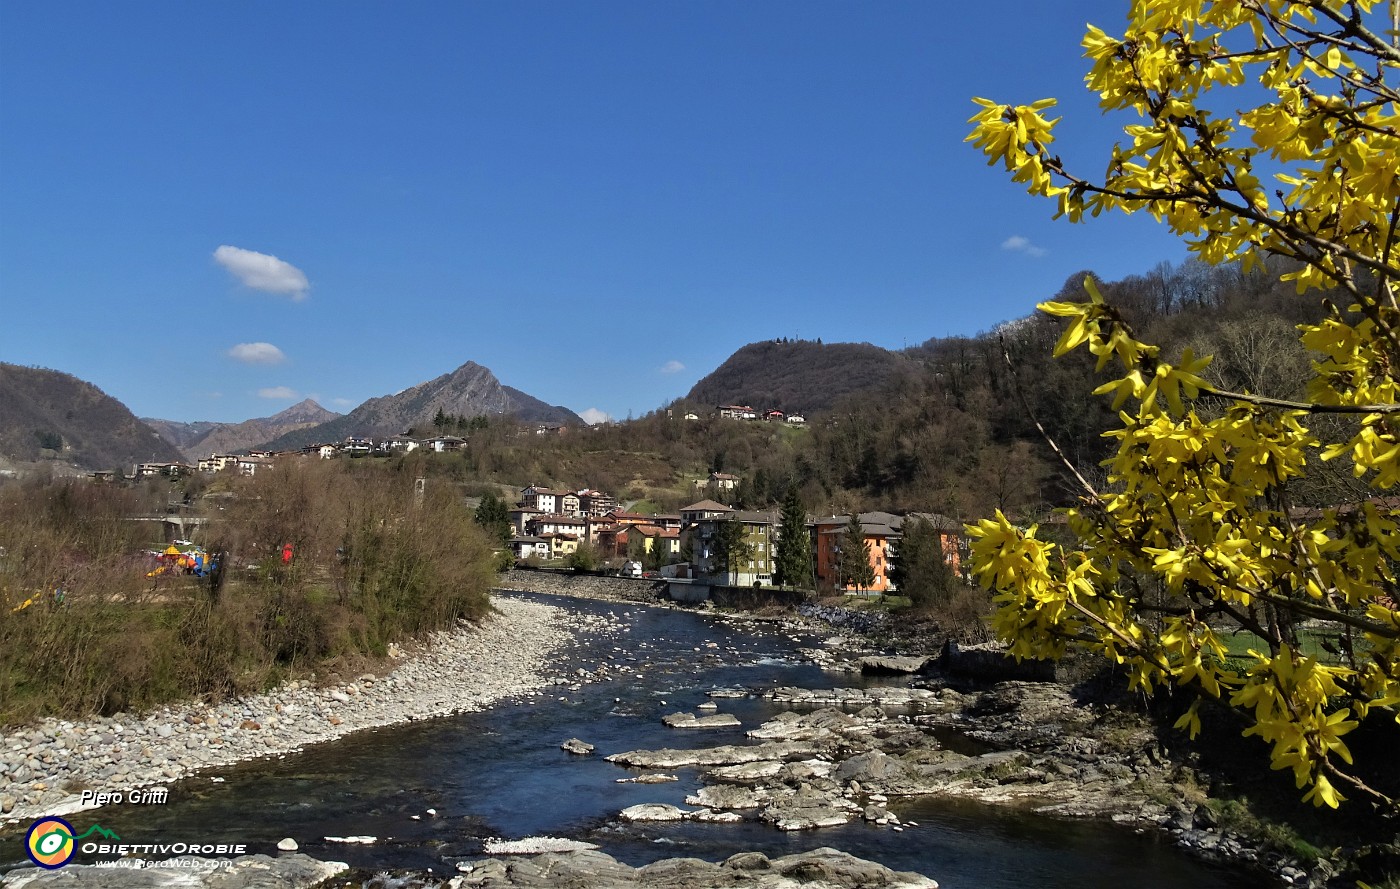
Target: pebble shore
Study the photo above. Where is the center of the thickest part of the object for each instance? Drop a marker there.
(45, 766)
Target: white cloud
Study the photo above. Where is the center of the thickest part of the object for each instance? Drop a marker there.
(343, 402)
(257, 353)
(263, 272)
(284, 392)
(672, 366)
(593, 416)
(1019, 244)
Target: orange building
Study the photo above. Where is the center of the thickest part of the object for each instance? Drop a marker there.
(882, 532)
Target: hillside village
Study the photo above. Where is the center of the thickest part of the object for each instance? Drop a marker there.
(550, 525)
(364, 446)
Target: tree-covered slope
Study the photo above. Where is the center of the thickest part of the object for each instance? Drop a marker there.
(798, 375)
(47, 413)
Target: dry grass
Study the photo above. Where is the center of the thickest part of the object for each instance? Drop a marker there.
(371, 566)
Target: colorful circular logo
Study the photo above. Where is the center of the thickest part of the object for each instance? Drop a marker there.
(50, 842)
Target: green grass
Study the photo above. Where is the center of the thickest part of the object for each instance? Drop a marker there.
(1238, 644)
(875, 601)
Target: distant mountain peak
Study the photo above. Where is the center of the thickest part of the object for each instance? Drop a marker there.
(305, 411)
(470, 390)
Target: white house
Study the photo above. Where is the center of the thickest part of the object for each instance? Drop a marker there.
(525, 547)
(723, 481)
(546, 500)
(562, 525)
(399, 443)
(254, 465)
(444, 443)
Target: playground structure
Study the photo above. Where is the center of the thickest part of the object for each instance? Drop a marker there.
(174, 561)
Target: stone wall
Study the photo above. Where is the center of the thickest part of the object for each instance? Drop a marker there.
(588, 586)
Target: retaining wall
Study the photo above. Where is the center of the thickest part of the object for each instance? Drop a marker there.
(589, 586)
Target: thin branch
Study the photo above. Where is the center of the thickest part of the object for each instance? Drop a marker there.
(1025, 405)
(1351, 25)
(1202, 198)
(1360, 785)
(1306, 406)
(1321, 612)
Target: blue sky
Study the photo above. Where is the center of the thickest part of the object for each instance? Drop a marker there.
(599, 201)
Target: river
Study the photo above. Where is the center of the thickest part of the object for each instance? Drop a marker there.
(500, 773)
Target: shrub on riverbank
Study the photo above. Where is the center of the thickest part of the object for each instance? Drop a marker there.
(371, 562)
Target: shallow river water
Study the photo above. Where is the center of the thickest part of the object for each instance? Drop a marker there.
(500, 773)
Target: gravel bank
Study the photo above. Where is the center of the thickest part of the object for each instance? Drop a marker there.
(44, 767)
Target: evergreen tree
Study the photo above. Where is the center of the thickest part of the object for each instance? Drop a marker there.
(658, 556)
(854, 565)
(732, 549)
(440, 420)
(793, 565)
(493, 515)
(919, 567)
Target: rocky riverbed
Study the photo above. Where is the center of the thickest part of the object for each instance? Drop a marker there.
(44, 768)
(583, 869)
(847, 754)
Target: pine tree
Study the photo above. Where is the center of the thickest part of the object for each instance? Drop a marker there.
(794, 559)
(854, 566)
(919, 567)
(493, 515)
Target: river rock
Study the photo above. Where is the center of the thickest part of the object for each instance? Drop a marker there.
(246, 872)
(872, 769)
(287, 844)
(535, 846)
(577, 747)
(648, 779)
(727, 797)
(748, 772)
(653, 812)
(594, 870)
(991, 662)
(888, 665)
(690, 720)
(727, 754)
(809, 808)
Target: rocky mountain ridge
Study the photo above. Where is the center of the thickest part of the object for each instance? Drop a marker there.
(203, 439)
(469, 391)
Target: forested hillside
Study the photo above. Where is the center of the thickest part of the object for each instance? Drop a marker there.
(49, 414)
(953, 430)
(797, 375)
